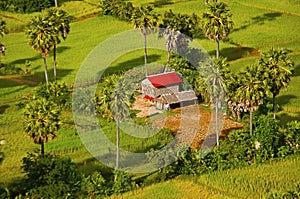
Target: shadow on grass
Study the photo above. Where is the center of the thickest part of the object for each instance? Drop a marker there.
(284, 118)
(234, 53)
(39, 56)
(161, 3)
(92, 165)
(258, 20)
(3, 108)
(124, 66)
(284, 99)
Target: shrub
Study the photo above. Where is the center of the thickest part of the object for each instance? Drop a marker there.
(95, 185)
(25, 6)
(123, 182)
(118, 8)
(51, 176)
(58, 93)
(267, 137)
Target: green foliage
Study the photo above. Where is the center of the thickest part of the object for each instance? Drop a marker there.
(41, 121)
(123, 182)
(57, 93)
(268, 138)
(118, 8)
(23, 6)
(95, 185)
(51, 176)
(290, 194)
(184, 23)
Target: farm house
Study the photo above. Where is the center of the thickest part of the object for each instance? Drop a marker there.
(165, 88)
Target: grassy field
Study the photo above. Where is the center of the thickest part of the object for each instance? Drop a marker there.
(258, 25)
(251, 182)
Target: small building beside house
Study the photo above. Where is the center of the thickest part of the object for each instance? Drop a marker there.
(165, 88)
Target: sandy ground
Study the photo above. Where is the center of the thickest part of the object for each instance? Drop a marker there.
(188, 124)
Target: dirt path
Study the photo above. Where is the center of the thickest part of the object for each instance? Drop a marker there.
(19, 80)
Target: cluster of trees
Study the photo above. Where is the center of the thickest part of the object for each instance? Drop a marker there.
(45, 33)
(240, 149)
(25, 6)
(42, 112)
(49, 176)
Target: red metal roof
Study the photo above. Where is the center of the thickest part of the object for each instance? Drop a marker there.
(164, 79)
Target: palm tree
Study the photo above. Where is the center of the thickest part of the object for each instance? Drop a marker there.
(217, 23)
(41, 121)
(120, 109)
(41, 38)
(278, 67)
(59, 20)
(253, 89)
(145, 20)
(175, 41)
(213, 71)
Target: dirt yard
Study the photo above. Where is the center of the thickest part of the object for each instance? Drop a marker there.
(188, 124)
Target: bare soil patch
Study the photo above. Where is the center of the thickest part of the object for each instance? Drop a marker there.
(194, 120)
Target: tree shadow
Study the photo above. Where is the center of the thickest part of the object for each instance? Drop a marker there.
(22, 61)
(234, 53)
(127, 65)
(258, 20)
(59, 50)
(3, 108)
(284, 118)
(161, 3)
(284, 99)
(296, 71)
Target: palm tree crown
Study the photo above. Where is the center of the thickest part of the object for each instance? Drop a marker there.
(217, 23)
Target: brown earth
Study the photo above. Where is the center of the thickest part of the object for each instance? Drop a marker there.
(188, 124)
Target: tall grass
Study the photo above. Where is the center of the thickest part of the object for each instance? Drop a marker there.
(250, 182)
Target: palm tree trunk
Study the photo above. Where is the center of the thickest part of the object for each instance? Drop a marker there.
(251, 121)
(217, 123)
(168, 60)
(42, 149)
(274, 106)
(217, 48)
(145, 53)
(55, 3)
(54, 62)
(118, 144)
(46, 70)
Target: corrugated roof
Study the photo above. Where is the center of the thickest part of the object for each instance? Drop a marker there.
(178, 97)
(164, 79)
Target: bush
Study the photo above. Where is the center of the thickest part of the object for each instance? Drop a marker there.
(95, 185)
(58, 93)
(123, 182)
(51, 176)
(118, 8)
(267, 138)
(25, 6)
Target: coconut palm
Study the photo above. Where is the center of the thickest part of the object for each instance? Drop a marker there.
(278, 67)
(145, 20)
(41, 38)
(59, 20)
(120, 109)
(253, 89)
(217, 23)
(41, 121)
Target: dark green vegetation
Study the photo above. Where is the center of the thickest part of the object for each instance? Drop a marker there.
(258, 26)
